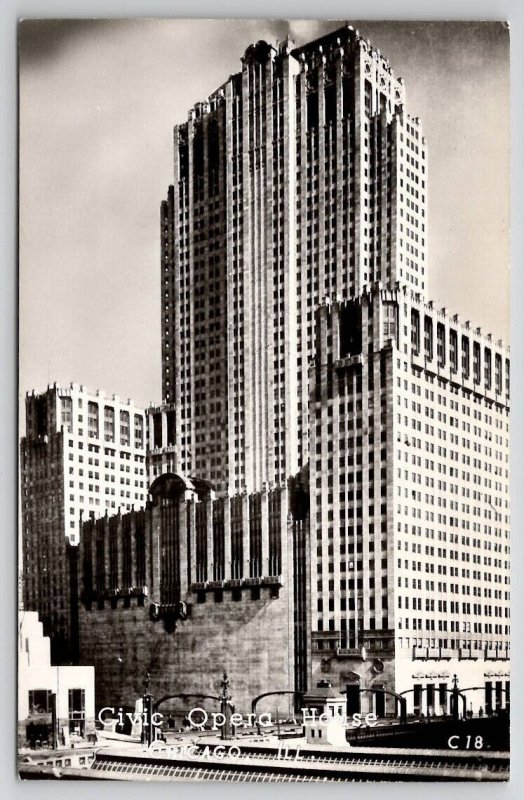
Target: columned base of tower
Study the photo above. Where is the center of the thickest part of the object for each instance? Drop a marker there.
(417, 682)
(365, 675)
(430, 680)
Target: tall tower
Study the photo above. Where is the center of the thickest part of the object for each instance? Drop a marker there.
(83, 454)
(298, 337)
(300, 178)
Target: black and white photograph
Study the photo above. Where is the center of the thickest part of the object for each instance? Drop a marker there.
(264, 400)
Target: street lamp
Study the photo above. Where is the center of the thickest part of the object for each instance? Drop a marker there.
(147, 710)
(225, 707)
(454, 698)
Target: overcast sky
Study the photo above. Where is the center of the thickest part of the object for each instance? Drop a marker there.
(98, 101)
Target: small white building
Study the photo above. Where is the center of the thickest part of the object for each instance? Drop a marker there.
(47, 695)
(328, 727)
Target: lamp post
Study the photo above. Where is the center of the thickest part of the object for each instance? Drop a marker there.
(147, 710)
(225, 707)
(455, 698)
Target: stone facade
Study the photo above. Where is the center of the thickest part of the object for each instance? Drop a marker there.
(191, 587)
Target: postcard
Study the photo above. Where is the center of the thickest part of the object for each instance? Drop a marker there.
(287, 557)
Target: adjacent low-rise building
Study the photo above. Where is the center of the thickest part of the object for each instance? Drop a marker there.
(56, 704)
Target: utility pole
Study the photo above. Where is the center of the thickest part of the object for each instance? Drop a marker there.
(54, 721)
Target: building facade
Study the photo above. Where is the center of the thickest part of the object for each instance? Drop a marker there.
(50, 696)
(161, 438)
(302, 182)
(192, 586)
(83, 454)
(301, 177)
(329, 466)
(409, 470)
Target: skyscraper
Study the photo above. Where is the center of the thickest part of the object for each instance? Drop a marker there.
(297, 336)
(301, 177)
(83, 454)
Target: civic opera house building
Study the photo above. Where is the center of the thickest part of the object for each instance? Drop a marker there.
(329, 468)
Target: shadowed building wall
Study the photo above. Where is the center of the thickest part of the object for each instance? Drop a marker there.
(192, 586)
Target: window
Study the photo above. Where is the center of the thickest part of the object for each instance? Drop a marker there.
(498, 373)
(487, 367)
(124, 428)
(139, 431)
(390, 317)
(109, 424)
(92, 420)
(465, 357)
(39, 701)
(441, 344)
(66, 412)
(415, 331)
(77, 711)
(428, 337)
(476, 362)
(453, 354)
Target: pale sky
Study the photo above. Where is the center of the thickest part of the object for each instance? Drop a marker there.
(98, 102)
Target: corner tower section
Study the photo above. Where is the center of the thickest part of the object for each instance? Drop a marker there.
(409, 499)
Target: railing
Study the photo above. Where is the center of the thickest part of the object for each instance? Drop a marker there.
(237, 583)
(462, 653)
(499, 654)
(348, 652)
(349, 361)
